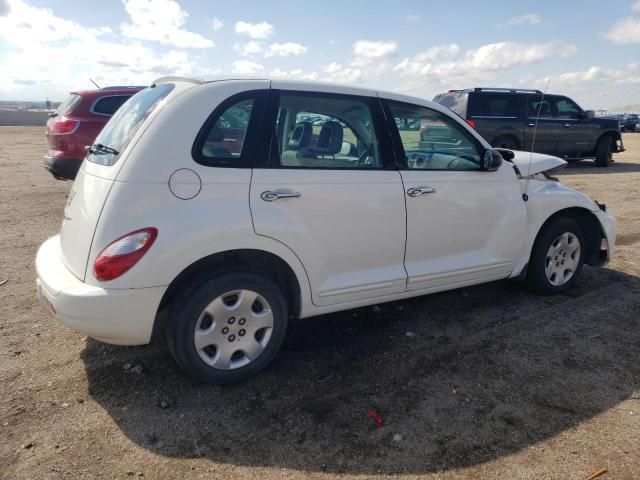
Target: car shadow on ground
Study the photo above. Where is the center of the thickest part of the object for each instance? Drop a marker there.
(584, 167)
(458, 378)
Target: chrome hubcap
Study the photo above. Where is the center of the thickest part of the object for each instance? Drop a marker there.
(233, 330)
(562, 259)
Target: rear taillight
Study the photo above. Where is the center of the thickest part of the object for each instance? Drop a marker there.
(63, 126)
(472, 123)
(122, 254)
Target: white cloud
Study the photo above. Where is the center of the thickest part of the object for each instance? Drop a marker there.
(493, 57)
(285, 49)
(255, 30)
(295, 74)
(4, 8)
(336, 72)
(625, 31)
(370, 59)
(248, 49)
(161, 21)
(247, 67)
(412, 17)
(216, 23)
(528, 19)
(41, 42)
(592, 87)
(374, 50)
(636, 6)
(444, 66)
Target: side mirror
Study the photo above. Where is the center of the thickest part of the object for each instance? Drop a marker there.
(491, 160)
(506, 154)
(588, 115)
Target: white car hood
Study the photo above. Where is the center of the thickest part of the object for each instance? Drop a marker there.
(531, 163)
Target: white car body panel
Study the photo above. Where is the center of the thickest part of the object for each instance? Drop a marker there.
(531, 163)
(345, 259)
(344, 238)
(469, 230)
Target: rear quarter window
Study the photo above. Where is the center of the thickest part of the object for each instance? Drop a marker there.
(109, 105)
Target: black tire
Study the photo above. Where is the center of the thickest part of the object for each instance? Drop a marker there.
(506, 141)
(537, 277)
(603, 151)
(186, 311)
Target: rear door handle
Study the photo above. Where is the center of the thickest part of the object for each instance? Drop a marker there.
(417, 191)
(532, 124)
(566, 125)
(270, 196)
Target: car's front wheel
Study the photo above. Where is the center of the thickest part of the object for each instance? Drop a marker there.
(557, 257)
(227, 327)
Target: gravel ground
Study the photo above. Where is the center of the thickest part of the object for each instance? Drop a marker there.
(482, 382)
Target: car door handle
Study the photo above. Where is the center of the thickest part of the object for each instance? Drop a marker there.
(532, 124)
(417, 191)
(270, 196)
(566, 125)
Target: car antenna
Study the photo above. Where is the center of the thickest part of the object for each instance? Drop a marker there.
(97, 86)
(525, 197)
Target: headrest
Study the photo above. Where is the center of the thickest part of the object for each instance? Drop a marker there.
(300, 135)
(215, 135)
(330, 138)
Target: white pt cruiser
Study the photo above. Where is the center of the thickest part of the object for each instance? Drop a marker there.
(232, 205)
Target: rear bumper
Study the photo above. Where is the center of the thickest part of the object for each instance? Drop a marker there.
(62, 168)
(118, 316)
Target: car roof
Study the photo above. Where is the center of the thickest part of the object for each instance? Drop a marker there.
(117, 90)
(311, 86)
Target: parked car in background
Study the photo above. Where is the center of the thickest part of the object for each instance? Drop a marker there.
(76, 123)
(292, 219)
(629, 123)
(508, 118)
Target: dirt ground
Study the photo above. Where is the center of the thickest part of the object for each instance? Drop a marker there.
(495, 383)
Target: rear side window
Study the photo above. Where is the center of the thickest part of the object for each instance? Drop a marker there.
(121, 128)
(70, 103)
(502, 105)
(326, 131)
(109, 105)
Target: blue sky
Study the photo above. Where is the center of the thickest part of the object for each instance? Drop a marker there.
(49, 47)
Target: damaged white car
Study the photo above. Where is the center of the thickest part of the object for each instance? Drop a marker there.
(215, 211)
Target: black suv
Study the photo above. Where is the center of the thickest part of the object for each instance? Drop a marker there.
(507, 118)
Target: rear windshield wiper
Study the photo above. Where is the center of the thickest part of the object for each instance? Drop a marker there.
(102, 149)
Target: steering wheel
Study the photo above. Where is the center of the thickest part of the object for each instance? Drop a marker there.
(458, 157)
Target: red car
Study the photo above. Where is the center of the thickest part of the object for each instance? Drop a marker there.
(76, 123)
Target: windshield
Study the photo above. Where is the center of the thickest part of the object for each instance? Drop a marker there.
(119, 131)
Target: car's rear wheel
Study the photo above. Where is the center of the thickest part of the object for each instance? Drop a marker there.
(506, 141)
(228, 327)
(604, 151)
(557, 257)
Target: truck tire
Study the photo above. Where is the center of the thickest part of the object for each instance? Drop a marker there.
(506, 141)
(603, 151)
